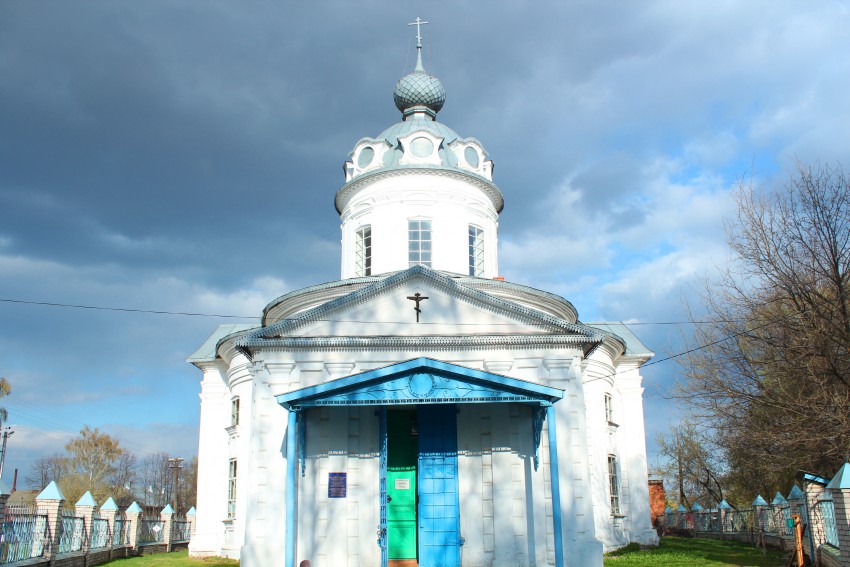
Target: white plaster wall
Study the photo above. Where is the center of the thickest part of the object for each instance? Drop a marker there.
(211, 504)
(632, 444)
(510, 498)
(450, 202)
(239, 447)
(265, 477)
(598, 380)
(340, 531)
(502, 497)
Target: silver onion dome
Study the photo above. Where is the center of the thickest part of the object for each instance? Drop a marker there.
(419, 89)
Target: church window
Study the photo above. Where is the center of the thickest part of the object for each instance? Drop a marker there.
(476, 251)
(231, 490)
(471, 156)
(363, 251)
(419, 242)
(421, 147)
(234, 411)
(609, 409)
(614, 485)
(366, 156)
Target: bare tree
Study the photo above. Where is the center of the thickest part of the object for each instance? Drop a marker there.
(771, 373)
(45, 470)
(156, 480)
(188, 484)
(693, 464)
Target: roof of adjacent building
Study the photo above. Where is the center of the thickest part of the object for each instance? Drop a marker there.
(208, 350)
(634, 346)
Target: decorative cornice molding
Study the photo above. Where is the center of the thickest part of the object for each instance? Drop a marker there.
(347, 191)
(419, 343)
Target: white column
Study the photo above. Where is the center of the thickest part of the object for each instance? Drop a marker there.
(265, 475)
(582, 549)
(632, 445)
(208, 539)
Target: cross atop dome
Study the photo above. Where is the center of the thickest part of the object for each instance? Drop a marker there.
(419, 93)
(418, 23)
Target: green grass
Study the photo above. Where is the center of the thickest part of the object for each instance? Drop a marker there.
(672, 552)
(176, 559)
(686, 552)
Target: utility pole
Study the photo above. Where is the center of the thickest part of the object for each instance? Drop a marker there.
(175, 464)
(679, 459)
(7, 431)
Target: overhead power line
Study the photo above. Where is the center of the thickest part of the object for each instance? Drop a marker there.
(191, 314)
(127, 309)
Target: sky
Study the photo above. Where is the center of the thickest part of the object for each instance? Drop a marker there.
(183, 156)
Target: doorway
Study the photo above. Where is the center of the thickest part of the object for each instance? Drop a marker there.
(423, 508)
(402, 461)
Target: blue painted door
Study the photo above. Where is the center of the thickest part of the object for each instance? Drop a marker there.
(439, 509)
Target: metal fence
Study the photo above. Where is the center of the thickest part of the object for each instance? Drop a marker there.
(151, 530)
(785, 519)
(823, 513)
(99, 533)
(120, 531)
(771, 520)
(23, 534)
(763, 519)
(71, 532)
(30, 532)
(181, 529)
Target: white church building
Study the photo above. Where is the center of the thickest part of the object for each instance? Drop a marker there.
(421, 410)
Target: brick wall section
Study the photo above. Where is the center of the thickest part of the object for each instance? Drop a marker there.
(841, 500)
(657, 500)
(152, 548)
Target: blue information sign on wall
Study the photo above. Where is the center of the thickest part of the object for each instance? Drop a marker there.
(337, 484)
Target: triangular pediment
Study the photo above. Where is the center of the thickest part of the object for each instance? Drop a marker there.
(387, 308)
(421, 381)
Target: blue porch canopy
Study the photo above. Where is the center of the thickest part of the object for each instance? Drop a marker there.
(421, 381)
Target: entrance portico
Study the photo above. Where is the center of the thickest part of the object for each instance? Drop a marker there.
(433, 392)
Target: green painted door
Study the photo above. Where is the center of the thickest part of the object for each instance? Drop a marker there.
(402, 457)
